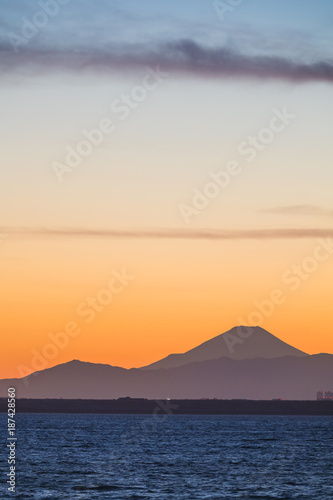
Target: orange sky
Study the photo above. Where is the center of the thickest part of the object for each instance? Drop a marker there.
(164, 151)
(182, 293)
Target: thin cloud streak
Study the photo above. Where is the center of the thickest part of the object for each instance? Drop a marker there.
(299, 210)
(178, 57)
(172, 233)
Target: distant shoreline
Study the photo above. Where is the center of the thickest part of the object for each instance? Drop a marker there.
(171, 407)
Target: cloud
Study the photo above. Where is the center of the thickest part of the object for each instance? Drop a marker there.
(184, 56)
(172, 233)
(299, 210)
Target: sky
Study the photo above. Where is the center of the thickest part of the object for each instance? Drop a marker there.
(166, 173)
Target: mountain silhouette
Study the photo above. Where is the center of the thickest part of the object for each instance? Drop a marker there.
(241, 342)
(288, 377)
(244, 362)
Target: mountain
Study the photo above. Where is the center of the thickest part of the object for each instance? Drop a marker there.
(245, 362)
(241, 342)
(288, 377)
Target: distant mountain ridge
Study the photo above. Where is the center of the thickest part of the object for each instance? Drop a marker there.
(241, 342)
(289, 377)
(255, 365)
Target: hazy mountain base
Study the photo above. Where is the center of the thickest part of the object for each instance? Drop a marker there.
(290, 377)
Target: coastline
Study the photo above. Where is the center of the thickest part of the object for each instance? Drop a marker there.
(171, 407)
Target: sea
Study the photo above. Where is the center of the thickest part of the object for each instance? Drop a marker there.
(157, 457)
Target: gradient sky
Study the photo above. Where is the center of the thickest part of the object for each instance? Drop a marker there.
(60, 241)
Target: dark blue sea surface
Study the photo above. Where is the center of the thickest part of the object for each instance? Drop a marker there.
(171, 457)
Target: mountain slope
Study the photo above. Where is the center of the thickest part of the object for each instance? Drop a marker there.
(289, 377)
(238, 343)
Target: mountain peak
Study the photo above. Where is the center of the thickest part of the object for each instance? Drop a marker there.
(241, 342)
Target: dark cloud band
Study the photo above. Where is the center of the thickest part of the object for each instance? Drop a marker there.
(177, 57)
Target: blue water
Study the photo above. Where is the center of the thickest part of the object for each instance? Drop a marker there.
(171, 457)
